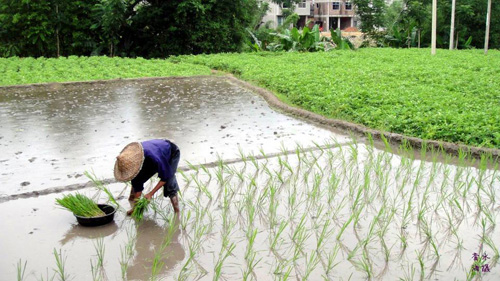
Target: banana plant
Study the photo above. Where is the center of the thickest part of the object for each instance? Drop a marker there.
(307, 40)
(341, 43)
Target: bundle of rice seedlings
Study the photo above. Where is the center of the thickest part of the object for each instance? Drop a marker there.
(80, 205)
(140, 206)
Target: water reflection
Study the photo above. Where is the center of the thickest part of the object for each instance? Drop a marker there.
(150, 237)
(78, 231)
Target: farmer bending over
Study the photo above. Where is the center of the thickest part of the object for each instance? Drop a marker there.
(138, 162)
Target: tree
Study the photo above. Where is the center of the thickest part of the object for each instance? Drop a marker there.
(109, 16)
(288, 6)
(371, 14)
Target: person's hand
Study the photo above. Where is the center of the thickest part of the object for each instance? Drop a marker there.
(149, 196)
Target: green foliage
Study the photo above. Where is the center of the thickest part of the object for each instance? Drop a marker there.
(305, 40)
(407, 23)
(80, 205)
(371, 14)
(109, 16)
(125, 27)
(341, 43)
(40, 28)
(451, 97)
(30, 70)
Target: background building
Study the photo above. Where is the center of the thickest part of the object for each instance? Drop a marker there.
(327, 14)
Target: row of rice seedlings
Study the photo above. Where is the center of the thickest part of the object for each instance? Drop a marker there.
(361, 200)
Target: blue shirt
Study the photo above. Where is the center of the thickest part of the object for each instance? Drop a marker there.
(156, 160)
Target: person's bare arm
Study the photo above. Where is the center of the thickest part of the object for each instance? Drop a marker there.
(159, 185)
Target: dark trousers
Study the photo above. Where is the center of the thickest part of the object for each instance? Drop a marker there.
(171, 186)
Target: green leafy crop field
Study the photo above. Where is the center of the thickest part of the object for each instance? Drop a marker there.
(453, 96)
(16, 70)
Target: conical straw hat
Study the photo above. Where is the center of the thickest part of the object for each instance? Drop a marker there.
(129, 162)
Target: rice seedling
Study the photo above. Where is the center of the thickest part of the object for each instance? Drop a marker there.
(127, 252)
(101, 187)
(242, 155)
(193, 167)
(141, 205)
(223, 255)
(80, 205)
(60, 270)
(251, 264)
(408, 273)
(21, 270)
(47, 277)
(100, 250)
(207, 171)
(277, 235)
(311, 264)
(254, 161)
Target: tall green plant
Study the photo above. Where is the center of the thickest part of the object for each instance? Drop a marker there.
(341, 43)
(307, 40)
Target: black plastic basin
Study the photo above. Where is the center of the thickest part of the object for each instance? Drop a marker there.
(96, 221)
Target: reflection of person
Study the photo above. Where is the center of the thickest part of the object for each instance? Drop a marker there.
(150, 237)
(139, 161)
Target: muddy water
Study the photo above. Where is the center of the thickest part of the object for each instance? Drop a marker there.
(293, 200)
(412, 219)
(49, 136)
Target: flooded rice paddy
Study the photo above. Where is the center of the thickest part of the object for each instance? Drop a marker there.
(337, 212)
(327, 208)
(54, 133)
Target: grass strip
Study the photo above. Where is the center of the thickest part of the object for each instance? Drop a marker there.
(17, 71)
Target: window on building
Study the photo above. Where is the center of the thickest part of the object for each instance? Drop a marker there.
(280, 20)
(302, 4)
(336, 5)
(348, 5)
(317, 5)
